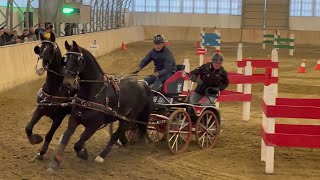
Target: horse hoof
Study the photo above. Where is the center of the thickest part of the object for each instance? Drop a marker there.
(53, 166)
(99, 159)
(83, 154)
(35, 139)
(51, 170)
(38, 157)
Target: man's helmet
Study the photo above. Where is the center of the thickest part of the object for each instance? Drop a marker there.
(158, 38)
(217, 58)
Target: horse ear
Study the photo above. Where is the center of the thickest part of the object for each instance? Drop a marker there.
(41, 37)
(52, 37)
(36, 50)
(74, 44)
(67, 45)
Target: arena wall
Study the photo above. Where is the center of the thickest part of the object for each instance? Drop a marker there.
(18, 61)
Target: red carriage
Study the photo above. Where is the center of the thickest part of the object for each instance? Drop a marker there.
(176, 120)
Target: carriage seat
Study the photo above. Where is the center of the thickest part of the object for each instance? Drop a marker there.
(174, 85)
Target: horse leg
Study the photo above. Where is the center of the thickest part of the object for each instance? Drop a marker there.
(55, 163)
(34, 138)
(79, 145)
(56, 122)
(115, 136)
(123, 139)
(144, 117)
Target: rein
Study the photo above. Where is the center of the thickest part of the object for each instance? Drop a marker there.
(103, 108)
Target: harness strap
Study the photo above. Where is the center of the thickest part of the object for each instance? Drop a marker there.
(104, 109)
(53, 99)
(113, 82)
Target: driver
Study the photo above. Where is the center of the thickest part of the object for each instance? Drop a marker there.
(211, 78)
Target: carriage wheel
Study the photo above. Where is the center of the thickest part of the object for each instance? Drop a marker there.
(207, 129)
(178, 131)
(154, 131)
(132, 135)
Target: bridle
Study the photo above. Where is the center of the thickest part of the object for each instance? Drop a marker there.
(40, 56)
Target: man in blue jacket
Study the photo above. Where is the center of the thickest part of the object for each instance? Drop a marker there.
(164, 62)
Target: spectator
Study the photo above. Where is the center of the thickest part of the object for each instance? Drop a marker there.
(7, 34)
(3, 39)
(32, 35)
(49, 28)
(68, 29)
(24, 36)
(39, 30)
(15, 37)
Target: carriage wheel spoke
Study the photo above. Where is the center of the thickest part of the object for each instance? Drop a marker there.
(209, 140)
(214, 122)
(172, 136)
(211, 133)
(183, 138)
(202, 138)
(175, 142)
(203, 126)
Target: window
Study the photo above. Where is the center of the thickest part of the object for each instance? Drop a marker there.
(20, 3)
(87, 2)
(151, 5)
(236, 7)
(175, 6)
(187, 6)
(317, 8)
(224, 7)
(139, 5)
(200, 6)
(164, 5)
(305, 8)
(212, 7)
(232, 7)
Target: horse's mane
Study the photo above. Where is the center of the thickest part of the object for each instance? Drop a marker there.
(87, 55)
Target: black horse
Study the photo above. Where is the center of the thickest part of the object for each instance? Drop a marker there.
(97, 99)
(50, 97)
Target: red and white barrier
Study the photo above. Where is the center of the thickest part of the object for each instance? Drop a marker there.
(258, 63)
(289, 135)
(201, 52)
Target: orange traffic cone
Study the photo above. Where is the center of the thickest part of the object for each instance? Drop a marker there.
(302, 68)
(123, 47)
(317, 66)
(167, 43)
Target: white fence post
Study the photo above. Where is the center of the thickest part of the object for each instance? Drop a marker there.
(267, 152)
(239, 69)
(291, 44)
(275, 71)
(247, 90)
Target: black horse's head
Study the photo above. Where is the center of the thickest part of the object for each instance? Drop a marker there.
(74, 64)
(46, 53)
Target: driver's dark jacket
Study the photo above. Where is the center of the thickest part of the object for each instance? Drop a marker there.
(211, 78)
